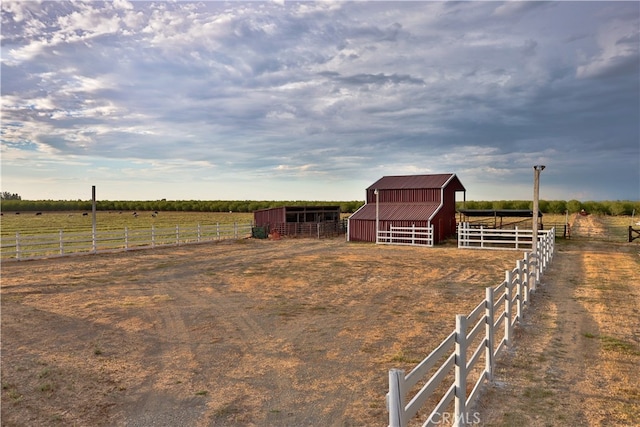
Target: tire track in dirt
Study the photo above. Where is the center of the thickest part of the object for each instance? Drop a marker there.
(232, 335)
(171, 368)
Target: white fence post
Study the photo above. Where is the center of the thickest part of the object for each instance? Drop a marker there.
(94, 247)
(218, 230)
(235, 230)
(508, 293)
(489, 332)
(153, 236)
(17, 245)
(531, 273)
(521, 288)
(61, 243)
(177, 235)
(199, 233)
(396, 398)
(460, 400)
(126, 238)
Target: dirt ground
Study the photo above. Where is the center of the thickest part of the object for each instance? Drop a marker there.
(576, 358)
(301, 332)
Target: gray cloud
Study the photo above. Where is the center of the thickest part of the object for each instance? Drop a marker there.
(342, 92)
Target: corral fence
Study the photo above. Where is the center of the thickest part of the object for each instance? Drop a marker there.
(307, 229)
(480, 237)
(470, 351)
(27, 247)
(413, 236)
(633, 234)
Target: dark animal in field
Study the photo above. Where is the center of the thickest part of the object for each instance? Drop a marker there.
(135, 214)
(17, 213)
(38, 213)
(154, 214)
(85, 214)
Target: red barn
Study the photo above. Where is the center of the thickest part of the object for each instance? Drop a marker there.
(409, 200)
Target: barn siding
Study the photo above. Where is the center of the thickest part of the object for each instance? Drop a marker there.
(264, 217)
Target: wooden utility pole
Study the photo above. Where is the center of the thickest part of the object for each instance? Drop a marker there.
(93, 217)
(536, 196)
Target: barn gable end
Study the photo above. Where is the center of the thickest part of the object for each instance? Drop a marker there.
(409, 200)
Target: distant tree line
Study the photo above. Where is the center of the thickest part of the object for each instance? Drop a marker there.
(167, 205)
(617, 207)
(5, 195)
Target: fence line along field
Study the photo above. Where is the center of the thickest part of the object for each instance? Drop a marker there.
(51, 222)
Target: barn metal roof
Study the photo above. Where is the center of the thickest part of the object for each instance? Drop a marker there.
(397, 211)
(417, 181)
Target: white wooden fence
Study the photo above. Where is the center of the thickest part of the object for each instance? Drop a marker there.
(466, 347)
(412, 236)
(26, 247)
(491, 238)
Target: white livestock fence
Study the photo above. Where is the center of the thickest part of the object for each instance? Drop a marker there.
(34, 246)
(471, 237)
(478, 337)
(412, 236)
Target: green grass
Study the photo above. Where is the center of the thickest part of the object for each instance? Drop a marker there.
(620, 346)
(537, 393)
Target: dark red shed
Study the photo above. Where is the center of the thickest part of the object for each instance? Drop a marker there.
(404, 201)
(299, 220)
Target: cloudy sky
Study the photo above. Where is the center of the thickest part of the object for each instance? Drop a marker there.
(317, 100)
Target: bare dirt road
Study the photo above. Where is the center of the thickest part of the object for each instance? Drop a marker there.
(303, 333)
(576, 359)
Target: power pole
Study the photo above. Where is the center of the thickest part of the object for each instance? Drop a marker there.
(93, 217)
(536, 196)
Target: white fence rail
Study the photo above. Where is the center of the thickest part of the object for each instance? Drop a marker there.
(492, 238)
(480, 336)
(412, 236)
(26, 247)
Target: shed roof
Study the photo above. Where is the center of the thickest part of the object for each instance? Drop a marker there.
(301, 208)
(398, 182)
(397, 211)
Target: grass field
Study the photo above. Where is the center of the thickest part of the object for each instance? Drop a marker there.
(53, 222)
